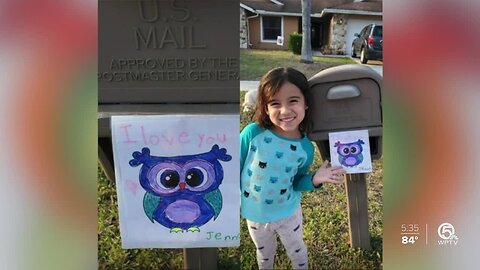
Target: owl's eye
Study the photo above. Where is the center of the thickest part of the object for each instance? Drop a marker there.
(169, 178)
(195, 176)
(346, 150)
(353, 149)
(199, 175)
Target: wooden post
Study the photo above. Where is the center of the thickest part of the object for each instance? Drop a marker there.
(106, 161)
(200, 258)
(356, 186)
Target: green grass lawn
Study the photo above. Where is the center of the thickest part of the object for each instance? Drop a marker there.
(255, 63)
(325, 225)
(325, 232)
(325, 212)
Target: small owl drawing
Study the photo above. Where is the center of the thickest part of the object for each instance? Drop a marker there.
(350, 154)
(182, 192)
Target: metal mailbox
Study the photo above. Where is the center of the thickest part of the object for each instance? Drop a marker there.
(346, 97)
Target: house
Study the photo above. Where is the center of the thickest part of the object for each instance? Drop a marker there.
(333, 23)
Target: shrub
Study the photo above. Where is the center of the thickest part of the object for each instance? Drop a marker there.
(295, 43)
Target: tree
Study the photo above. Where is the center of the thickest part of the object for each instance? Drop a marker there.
(306, 32)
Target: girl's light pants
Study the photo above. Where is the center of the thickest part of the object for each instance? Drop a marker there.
(291, 234)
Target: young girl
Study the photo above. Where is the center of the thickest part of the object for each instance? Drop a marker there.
(275, 158)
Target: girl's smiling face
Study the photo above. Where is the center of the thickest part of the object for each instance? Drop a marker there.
(286, 110)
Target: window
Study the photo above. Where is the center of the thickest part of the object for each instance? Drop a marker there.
(271, 28)
(378, 31)
(364, 31)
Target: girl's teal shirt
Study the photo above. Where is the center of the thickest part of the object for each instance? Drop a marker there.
(274, 171)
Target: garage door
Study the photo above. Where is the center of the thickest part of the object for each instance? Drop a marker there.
(355, 26)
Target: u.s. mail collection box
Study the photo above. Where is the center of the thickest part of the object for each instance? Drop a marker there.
(165, 57)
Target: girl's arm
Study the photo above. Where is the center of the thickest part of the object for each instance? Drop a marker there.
(326, 174)
(303, 181)
(246, 136)
(306, 182)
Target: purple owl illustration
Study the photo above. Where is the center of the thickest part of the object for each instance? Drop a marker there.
(350, 154)
(182, 192)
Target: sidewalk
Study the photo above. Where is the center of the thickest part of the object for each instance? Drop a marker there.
(248, 85)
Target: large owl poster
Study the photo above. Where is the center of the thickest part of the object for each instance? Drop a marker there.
(177, 179)
(351, 150)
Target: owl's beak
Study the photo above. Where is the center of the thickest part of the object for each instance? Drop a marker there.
(182, 185)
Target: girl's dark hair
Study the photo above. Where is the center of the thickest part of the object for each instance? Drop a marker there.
(270, 84)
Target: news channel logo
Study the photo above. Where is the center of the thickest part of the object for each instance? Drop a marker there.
(446, 232)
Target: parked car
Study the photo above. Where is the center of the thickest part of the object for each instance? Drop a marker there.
(369, 43)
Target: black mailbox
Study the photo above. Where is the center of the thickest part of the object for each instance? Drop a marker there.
(346, 97)
(165, 57)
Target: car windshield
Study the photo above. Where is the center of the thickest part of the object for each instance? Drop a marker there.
(378, 31)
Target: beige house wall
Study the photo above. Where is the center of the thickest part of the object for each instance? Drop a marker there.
(290, 25)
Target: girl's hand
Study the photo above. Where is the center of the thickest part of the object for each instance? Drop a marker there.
(330, 175)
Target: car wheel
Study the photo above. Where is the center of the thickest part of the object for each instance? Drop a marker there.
(353, 52)
(363, 57)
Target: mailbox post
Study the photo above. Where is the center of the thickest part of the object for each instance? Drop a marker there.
(166, 57)
(348, 98)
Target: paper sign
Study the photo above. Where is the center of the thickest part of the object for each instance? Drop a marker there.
(351, 150)
(177, 179)
(280, 40)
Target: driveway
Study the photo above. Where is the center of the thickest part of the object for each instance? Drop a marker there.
(373, 64)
